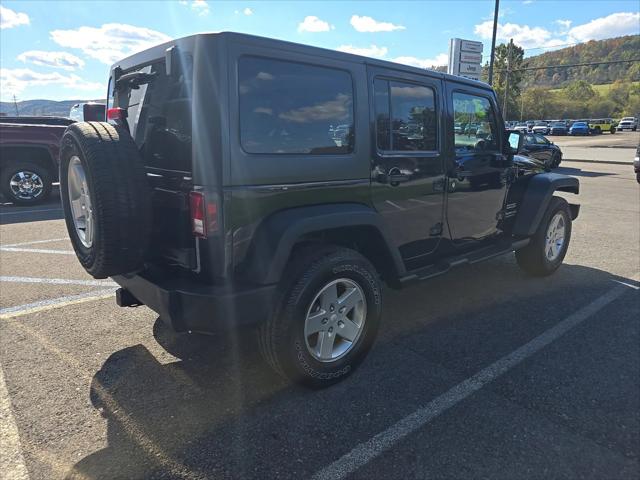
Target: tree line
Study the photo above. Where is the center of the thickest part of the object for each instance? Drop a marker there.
(555, 93)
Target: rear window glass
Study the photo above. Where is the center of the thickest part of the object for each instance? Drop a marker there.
(159, 117)
(405, 116)
(288, 107)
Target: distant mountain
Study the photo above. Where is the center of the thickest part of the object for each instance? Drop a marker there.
(41, 107)
(621, 48)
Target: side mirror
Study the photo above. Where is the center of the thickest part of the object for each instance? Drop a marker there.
(515, 139)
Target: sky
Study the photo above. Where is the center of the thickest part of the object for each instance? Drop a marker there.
(63, 49)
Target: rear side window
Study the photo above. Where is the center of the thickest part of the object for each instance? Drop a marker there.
(405, 116)
(159, 117)
(288, 107)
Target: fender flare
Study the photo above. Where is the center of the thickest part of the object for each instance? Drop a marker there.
(277, 235)
(536, 198)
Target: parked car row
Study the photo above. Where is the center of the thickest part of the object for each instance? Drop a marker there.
(594, 126)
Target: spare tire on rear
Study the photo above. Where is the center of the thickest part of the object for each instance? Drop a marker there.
(105, 197)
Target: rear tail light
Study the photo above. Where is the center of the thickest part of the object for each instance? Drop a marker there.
(204, 215)
(116, 114)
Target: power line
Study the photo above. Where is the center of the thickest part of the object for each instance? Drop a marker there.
(585, 64)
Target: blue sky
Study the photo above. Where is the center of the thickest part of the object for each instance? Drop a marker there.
(63, 49)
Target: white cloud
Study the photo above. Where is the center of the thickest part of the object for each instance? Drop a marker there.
(370, 51)
(564, 23)
(16, 80)
(522, 35)
(368, 24)
(381, 52)
(439, 60)
(110, 42)
(314, 24)
(10, 19)
(614, 25)
(527, 2)
(201, 7)
(62, 60)
(247, 11)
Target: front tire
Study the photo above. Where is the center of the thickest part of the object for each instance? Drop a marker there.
(549, 244)
(328, 316)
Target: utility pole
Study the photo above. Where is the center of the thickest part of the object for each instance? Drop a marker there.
(15, 104)
(521, 104)
(493, 41)
(506, 83)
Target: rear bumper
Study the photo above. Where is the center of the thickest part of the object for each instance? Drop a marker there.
(186, 305)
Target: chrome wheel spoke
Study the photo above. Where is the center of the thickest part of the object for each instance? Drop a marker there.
(76, 208)
(348, 330)
(325, 345)
(314, 322)
(348, 299)
(88, 229)
(329, 297)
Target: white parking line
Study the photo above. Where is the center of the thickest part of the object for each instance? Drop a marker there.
(367, 451)
(394, 205)
(35, 242)
(36, 250)
(22, 212)
(12, 466)
(58, 281)
(42, 305)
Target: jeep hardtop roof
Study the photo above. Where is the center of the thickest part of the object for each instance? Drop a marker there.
(158, 51)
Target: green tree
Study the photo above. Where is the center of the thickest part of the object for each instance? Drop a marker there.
(515, 78)
(580, 90)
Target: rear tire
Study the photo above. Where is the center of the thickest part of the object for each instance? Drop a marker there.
(544, 253)
(612, 130)
(285, 339)
(109, 222)
(25, 183)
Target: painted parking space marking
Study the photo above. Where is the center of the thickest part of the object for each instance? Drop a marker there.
(370, 449)
(57, 281)
(43, 305)
(26, 212)
(36, 250)
(35, 242)
(12, 466)
(395, 205)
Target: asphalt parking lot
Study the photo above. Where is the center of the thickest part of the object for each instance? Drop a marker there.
(483, 373)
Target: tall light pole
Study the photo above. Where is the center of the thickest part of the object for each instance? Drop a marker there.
(493, 41)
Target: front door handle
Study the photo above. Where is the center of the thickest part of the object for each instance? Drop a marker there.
(395, 177)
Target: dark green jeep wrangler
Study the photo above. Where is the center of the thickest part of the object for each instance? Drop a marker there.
(246, 181)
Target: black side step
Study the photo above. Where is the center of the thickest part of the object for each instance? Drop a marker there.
(446, 264)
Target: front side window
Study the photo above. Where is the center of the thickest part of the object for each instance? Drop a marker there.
(405, 116)
(288, 107)
(540, 140)
(477, 118)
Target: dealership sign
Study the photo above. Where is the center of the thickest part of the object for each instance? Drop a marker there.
(465, 58)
